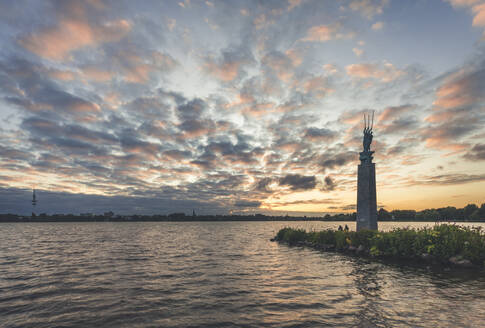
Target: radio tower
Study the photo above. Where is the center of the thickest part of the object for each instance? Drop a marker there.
(34, 201)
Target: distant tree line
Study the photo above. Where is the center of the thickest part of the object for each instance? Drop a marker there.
(471, 212)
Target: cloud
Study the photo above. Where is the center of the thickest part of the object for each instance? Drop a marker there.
(358, 52)
(247, 203)
(323, 33)
(368, 8)
(73, 31)
(477, 153)
(316, 134)
(262, 185)
(463, 3)
(377, 26)
(385, 73)
(449, 179)
(447, 135)
(393, 112)
(462, 88)
(479, 12)
(457, 108)
(329, 183)
(398, 125)
(196, 128)
(32, 90)
(477, 8)
(330, 68)
(293, 4)
(230, 65)
(13, 154)
(177, 155)
(333, 159)
(280, 64)
(298, 182)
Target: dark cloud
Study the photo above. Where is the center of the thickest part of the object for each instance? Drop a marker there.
(333, 159)
(298, 182)
(477, 153)
(30, 88)
(247, 203)
(328, 183)
(176, 154)
(316, 134)
(394, 112)
(348, 207)
(398, 126)
(193, 128)
(263, 185)
(449, 179)
(192, 109)
(13, 154)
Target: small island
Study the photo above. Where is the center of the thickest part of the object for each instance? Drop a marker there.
(443, 244)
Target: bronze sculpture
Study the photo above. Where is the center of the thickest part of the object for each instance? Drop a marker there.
(368, 131)
(366, 155)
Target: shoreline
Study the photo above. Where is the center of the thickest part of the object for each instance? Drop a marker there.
(202, 218)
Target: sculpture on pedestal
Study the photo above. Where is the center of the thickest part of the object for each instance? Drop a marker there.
(366, 181)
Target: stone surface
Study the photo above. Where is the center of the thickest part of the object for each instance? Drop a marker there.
(459, 261)
(366, 197)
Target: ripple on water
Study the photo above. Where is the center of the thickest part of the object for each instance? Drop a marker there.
(215, 274)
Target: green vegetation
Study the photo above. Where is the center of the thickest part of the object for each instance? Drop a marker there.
(443, 243)
(471, 212)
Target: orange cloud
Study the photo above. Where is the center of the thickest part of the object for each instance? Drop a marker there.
(386, 73)
(293, 3)
(459, 89)
(317, 85)
(62, 75)
(368, 8)
(377, 26)
(477, 8)
(226, 72)
(390, 113)
(479, 12)
(93, 73)
(323, 33)
(73, 31)
(227, 67)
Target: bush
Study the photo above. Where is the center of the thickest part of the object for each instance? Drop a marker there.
(442, 241)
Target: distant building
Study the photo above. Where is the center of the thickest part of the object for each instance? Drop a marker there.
(172, 215)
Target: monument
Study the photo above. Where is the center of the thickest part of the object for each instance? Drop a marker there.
(366, 182)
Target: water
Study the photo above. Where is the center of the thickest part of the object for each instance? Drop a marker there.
(215, 274)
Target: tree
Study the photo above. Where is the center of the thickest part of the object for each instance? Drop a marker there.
(383, 215)
(469, 210)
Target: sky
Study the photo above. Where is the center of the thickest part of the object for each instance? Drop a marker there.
(143, 107)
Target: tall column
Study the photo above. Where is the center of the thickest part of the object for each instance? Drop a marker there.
(366, 193)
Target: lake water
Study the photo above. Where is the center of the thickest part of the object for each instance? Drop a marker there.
(215, 274)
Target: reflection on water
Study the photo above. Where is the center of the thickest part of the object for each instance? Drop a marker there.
(215, 274)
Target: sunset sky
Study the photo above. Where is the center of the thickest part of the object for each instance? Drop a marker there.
(239, 106)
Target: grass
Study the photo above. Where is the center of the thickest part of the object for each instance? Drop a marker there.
(442, 243)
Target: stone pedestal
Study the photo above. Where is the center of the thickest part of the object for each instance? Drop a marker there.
(366, 194)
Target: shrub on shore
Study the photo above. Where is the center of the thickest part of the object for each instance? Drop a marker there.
(442, 243)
